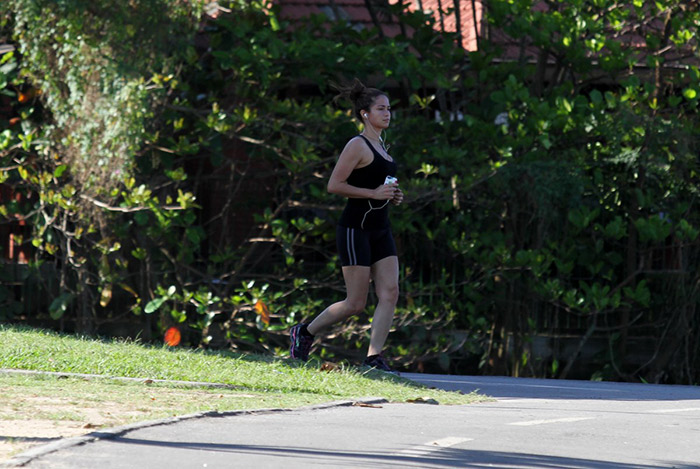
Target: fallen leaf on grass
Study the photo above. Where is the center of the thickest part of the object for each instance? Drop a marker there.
(330, 366)
(423, 400)
(364, 404)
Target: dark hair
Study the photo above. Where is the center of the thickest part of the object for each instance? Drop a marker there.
(361, 96)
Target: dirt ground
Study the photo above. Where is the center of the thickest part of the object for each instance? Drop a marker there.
(37, 410)
(20, 435)
(56, 419)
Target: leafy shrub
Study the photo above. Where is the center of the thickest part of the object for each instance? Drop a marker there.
(548, 195)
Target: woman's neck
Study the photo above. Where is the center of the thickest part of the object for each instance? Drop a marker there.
(371, 133)
(378, 139)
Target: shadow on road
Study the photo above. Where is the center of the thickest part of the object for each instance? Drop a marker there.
(447, 457)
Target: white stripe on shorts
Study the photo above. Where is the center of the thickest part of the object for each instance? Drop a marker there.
(352, 256)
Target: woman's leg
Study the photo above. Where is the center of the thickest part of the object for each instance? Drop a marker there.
(385, 273)
(357, 286)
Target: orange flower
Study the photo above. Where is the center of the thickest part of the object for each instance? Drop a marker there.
(172, 337)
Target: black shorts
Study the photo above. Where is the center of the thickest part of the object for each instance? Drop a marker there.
(364, 247)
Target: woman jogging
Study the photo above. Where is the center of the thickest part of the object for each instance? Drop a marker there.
(364, 173)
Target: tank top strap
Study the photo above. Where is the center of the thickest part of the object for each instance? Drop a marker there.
(371, 147)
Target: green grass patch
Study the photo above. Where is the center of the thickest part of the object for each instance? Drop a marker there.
(287, 380)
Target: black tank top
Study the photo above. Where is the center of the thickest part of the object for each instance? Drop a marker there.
(368, 214)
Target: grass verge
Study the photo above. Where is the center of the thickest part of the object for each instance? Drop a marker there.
(254, 382)
(40, 350)
(37, 408)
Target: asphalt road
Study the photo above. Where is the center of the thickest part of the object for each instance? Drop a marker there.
(530, 424)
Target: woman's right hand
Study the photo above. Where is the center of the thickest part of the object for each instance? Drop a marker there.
(385, 191)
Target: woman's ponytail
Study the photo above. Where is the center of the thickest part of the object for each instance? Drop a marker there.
(359, 95)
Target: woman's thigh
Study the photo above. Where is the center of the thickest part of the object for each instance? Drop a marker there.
(357, 282)
(385, 274)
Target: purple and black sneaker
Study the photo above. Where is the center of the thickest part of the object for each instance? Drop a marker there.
(378, 362)
(300, 343)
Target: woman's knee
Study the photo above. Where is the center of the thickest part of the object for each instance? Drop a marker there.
(354, 306)
(389, 294)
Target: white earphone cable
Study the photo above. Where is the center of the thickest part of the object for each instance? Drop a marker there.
(362, 224)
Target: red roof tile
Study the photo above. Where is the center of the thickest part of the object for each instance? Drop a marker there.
(355, 11)
(470, 28)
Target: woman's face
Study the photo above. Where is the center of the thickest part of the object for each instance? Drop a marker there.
(379, 114)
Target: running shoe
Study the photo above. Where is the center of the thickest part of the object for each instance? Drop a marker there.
(300, 343)
(378, 362)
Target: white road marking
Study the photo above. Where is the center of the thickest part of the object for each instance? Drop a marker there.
(512, 400)
(449, 441)
(544, 422)
(437, 445)
(668, 411)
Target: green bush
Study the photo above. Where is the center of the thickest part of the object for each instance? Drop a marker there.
(548, 195)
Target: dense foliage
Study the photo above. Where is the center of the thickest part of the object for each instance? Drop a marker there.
(173, 171)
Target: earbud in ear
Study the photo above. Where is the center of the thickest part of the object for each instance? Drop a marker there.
(365, 116)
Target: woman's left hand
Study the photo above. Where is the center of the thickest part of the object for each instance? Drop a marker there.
(398, 197)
